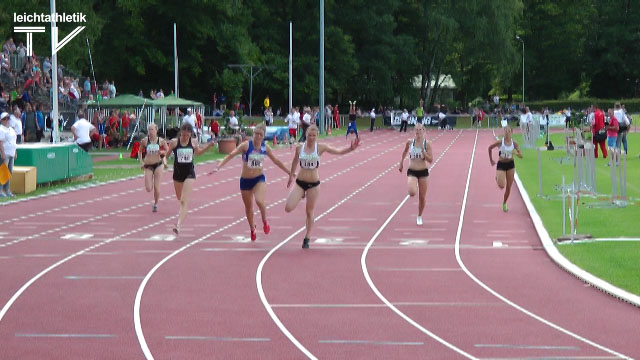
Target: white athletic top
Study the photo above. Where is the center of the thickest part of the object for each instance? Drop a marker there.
(506, 151)
(309, 161)
(415, 153)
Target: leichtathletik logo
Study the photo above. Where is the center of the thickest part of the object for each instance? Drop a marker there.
(47, 18)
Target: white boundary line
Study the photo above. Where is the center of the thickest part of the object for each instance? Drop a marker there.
(138, 300)
(263, 297)
(563, 262)
(365, 272)
(495, 293)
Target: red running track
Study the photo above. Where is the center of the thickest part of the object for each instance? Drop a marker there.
(95, 274)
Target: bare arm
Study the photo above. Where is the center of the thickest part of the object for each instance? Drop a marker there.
(428, 153)
(494, 145)
(404, 154)
(240, 149)
(331, 150)
(277, 161)
(517, 147)
(198, 149)
(143, 144)
(294, 164)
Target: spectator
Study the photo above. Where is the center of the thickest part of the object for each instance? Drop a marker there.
(30, 124)
(233, 121)
(404, 120)
(126, 121)
(214, 128)
(8, 146)
(15, 122)
(82, 131)
(292, 121)
(372, 114)
(599, 133)
(336, 116)
(612, 133)
(623, 121)
(442, 118)
(306, 122)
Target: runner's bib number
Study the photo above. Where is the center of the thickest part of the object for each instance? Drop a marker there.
(184, 155)
(153, 149)
(255, 161)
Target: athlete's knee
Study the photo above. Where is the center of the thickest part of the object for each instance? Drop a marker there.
(412, 192)
(501, 185)
(288, 208)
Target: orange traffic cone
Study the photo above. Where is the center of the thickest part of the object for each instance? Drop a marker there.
(275, 140)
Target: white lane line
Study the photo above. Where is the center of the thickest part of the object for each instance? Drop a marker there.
(365, 271)
(216, 338)
(495, 293)
(136, 307)
(370, 342)
(263, 297)
(84, 336)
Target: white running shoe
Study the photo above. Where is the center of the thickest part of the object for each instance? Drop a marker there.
(419, 220)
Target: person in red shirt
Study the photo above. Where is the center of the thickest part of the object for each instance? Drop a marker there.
(214, 127)
(336, 118)
(112, 133)
(596, 126)
(125, 124)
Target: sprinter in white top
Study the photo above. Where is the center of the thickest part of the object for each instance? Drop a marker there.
(153, 162)
(506, 165)
(420, 153)
(307, 182)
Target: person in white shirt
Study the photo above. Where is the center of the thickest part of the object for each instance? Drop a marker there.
(15, 121)
(190, 118)
(623, 126)
(293, 121)
(404, 120)
(82, 131)
(306, 121)
(372, 114)
(8, 147)
(233, 121)
(567, 118)
(442, 118)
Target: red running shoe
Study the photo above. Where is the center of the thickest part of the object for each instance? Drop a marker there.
(266, 227)
(253, 236)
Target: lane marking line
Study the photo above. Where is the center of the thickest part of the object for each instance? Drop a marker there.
(495, 293)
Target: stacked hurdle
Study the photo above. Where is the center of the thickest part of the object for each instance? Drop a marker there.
(530, 133)
(618, 177)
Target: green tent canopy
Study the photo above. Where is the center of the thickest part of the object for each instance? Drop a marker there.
(122, 101)
(172, 101)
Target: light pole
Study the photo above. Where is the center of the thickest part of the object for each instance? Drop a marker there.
(522, 41)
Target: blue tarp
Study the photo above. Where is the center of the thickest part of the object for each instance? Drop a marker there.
(280, 132)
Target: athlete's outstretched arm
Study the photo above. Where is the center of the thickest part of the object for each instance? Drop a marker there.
(404, 154)
(277, 161)
(199, 150)
(494, 145)
(240, 149)
(294, 164)
(331, 150)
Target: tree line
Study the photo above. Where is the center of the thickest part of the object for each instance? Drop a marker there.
(374, 50)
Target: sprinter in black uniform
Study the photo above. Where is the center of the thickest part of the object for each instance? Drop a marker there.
(183, 169)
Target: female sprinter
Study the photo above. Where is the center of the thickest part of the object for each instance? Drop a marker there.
(307, 181)
(506, 165)
(152, 164)
(418, 172)
(252, 179)
(183, 170)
